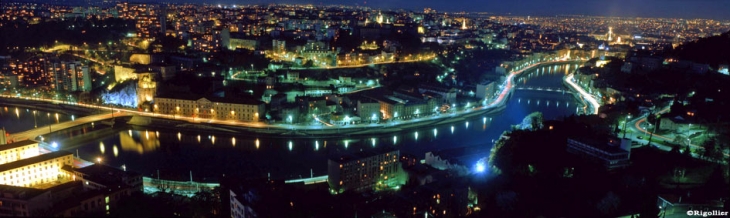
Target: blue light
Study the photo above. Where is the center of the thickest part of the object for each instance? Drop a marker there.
(481, 167)
(54, 144)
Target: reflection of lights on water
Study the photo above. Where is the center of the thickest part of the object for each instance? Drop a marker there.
(101, 147)
(233, 141)
(291, 145)
(452, 129)
(484, 120)
(115, 150)
(257, 143)
(435, 132)
(467, 124)
(415, 135)
(373, 140)
(179, 136)
(395, 139)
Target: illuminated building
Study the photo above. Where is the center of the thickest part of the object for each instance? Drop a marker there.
(18, 150)
(486, 90)
(70, 75)
(364, 171)
(146, 87)
(37, 170)
(246, 110)
(613, 153)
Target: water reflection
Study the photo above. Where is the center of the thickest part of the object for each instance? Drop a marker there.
(162, 151)
(148, 144)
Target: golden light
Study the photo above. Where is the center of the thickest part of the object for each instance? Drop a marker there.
(98, 159)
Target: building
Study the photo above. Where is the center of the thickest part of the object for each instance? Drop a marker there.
(36, 170)
(103, 177)
(247, 110)
(240, 205)
(364, 171)
(70, 76)
(146, 87)
(18, 150)
(448, 95)
(368, 110)
(673, 123)
(25, 202)
(486, 90)
(612, 154)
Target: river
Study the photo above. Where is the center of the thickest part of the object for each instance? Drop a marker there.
(175, 154)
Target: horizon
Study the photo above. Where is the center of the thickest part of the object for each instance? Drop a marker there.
(682, 9)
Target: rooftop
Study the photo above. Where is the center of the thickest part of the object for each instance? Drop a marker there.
(32, 160)
(17, 144)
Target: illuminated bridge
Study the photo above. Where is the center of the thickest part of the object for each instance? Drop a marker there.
(33, 133)
(534, 88)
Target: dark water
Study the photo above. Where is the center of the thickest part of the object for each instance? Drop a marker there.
(18, 119)
(209, 156)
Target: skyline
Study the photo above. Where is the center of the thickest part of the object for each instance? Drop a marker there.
(708, 9)
(686, 9)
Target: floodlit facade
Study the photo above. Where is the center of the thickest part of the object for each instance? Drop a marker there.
(18, 151)
(36, 170)
(211, 108)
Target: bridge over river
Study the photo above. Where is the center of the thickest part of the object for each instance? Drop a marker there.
(548, 89)
(33, 133)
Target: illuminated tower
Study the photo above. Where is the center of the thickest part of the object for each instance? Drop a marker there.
(146, 87)
(463, 24)
(380, 18)
(610, 33)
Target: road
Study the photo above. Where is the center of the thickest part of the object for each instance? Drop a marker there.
(635, 126)
(594, 103)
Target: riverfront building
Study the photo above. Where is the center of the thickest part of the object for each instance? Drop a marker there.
(37, 170)
(18, 151)
(234, 109)
(364, 171)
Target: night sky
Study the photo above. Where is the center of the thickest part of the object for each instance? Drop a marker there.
(713, 9)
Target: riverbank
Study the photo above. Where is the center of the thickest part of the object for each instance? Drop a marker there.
(68, 109)
(286, 130)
